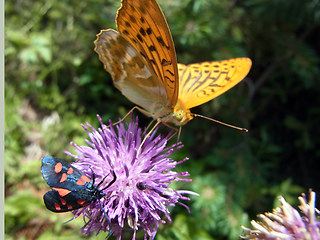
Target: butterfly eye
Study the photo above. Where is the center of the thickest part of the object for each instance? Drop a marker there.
(179, 114)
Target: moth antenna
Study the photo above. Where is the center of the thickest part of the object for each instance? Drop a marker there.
(222, 123)
(112, 181)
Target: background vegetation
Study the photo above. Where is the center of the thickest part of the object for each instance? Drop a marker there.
(55, 82)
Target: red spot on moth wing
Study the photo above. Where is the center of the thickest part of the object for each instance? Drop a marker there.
(62, 191)
(80, 182)
(57, 206)
(70, 170)
(81, 202)
(63, 177)
(58, 167)
(85, 178)
(63, 201)
(69, 207)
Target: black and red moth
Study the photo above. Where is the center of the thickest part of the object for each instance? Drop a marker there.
(71, 188)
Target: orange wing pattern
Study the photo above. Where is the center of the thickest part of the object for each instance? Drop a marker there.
(143, 25)
(142, 61)
(201, 82)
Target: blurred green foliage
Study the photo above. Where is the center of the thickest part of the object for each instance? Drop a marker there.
(55, 82)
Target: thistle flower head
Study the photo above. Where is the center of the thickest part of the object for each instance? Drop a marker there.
(141, 194)
(286, 223)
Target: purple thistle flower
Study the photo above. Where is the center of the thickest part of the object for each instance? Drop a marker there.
(141, 194)
(286, 223)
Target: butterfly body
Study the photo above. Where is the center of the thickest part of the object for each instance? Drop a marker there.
(71, 188)
(142, 62)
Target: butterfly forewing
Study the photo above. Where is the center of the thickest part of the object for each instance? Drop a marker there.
(143, 25)
(201, 82)
(59, 173)
(130, 72)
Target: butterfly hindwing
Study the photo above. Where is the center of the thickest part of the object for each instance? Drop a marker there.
(55, 203)
(202, 82)
(129, 71)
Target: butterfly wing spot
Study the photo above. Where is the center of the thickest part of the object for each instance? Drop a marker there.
(139, 38)
(69, 207)
(142, 32)
(152, 48)
(160, 40)
(153, 62)
(124, 32)
(58, 167)
(132, 19)
(149, 31)
(81, 202)
(127, 24)
(142, 20)
(63, 201)
(171, 73)
(132, 8)
(80, 182)
(63, 177)
(164, 62)
(62, 191)
(57, 207)
(70, 170)
(85, 178)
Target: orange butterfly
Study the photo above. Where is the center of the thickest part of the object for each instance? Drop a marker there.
(141, 59)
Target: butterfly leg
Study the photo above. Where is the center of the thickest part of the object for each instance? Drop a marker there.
(148, 134)
(132, 109)
(176, 130)
(145, 131)
(125, 116)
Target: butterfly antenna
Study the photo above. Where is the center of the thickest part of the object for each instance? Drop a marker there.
(222, 123)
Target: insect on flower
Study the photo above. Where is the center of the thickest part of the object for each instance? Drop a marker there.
(140, 199)
(71, 188)
(142, 61)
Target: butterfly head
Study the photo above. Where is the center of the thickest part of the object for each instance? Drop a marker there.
(181, 115)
